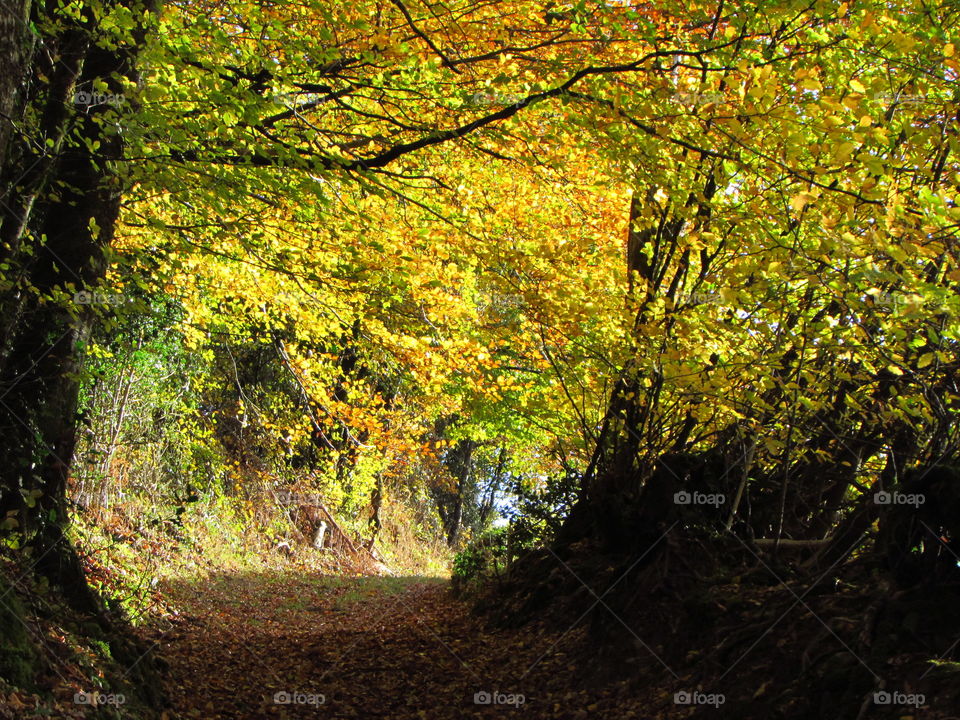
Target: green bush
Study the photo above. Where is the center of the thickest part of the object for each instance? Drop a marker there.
(491, 554)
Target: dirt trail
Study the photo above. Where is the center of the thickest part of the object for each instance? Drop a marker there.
(269, 646)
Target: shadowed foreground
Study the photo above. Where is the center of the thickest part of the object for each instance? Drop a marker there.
(254, 646)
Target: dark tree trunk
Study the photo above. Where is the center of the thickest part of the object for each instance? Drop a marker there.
(16, 48)
(459, 463)
(376, 503)
(58, 219)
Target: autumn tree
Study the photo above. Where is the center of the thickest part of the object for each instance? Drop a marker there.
(233, 135)
(791, 259)
(69, 80)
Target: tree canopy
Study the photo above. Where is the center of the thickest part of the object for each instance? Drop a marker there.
(503, 259)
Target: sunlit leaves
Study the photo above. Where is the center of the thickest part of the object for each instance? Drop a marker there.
(486, 277)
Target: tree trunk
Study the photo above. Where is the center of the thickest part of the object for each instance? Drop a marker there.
(55, 243)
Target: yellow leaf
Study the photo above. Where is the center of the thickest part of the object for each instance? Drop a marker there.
(763, 688)
(948, 50)
(925, 360)
(801, 200)
(851, 101)
(857, 86)
(842, 152)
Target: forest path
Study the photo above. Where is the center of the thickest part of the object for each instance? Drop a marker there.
(294, 646)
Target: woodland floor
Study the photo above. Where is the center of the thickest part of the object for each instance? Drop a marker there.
(365, 646)
(405, 647)
(372, 647)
